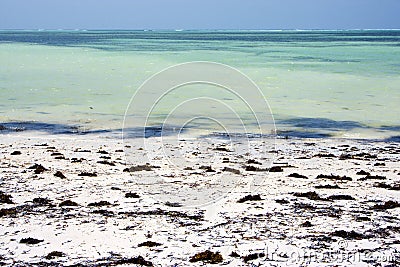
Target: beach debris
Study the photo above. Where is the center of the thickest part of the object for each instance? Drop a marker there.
(251, 168)
(234, 254)
(324, 155)
(334, 177)
(362, 172)
(88, 174)
(341, 197)
(253, 161)
(250, 198)
(310, 195)
(395, 187)
(327, 186)
(30, 241)
(5, 198)
(173, 204)
(15, 153)
(149, 244)
(38, 168)
(275, 169)
(105, 162)
(379, 164)
(55, 154)
(59, 174)
(102, 152)
(348, 234)
(253, 256)
(306, 224)
(232, 170)
(296, 175)
(138, 168)
(68, 203)
(139, 260)
(207, 257)
(54, 254)
(221, 148)
(282, 201)
(107, 213)
(40, 201)
(115, 188)
(7, 212)
(99, 204)
(372, 177)
(387, 205)
(206, 168)
(131, 195)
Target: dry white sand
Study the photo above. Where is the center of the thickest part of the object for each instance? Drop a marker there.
(356, 222)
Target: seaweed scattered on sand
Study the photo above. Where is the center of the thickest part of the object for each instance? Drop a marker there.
(138, 168)
(8, 212)
(309, 195)
(16, 153)
(38, 168)
(30, 241)
(348, 234)
(296, 175)
(68, 203)
(59, 174)
(207, 257)
(5, 198)
(99, 204)
(131, 195)
(387, 205)
(232, 170)
(250, 198)
(253, 256)
(54, 254)
(341, 197)
(105, 162)
(372, 177)
(88, 174)
(327, 186)
(275, 169)
(334, 177)
(149, 244)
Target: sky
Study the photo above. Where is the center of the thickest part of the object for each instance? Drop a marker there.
(199, 14)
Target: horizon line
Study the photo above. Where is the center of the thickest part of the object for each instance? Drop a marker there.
(205, 29)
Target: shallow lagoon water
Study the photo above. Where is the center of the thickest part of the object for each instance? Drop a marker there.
(340, 83)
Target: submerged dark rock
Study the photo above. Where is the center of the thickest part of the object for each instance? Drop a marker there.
(250, 198)
(207, 257)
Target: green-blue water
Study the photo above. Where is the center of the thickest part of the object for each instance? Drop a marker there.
(345, 83)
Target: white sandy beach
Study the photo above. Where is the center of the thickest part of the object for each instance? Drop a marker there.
(109, 218)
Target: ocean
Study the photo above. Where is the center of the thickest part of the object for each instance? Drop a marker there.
(343, 83)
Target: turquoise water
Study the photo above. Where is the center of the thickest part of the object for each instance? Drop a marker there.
(341, 83)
